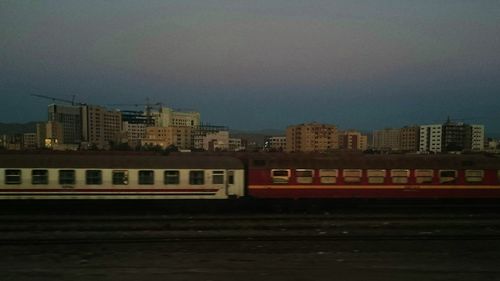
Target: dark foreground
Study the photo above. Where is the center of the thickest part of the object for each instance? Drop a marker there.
(350, 242)
(255, 260)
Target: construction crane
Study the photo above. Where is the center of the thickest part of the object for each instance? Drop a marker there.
(148, 107)
(55, 99)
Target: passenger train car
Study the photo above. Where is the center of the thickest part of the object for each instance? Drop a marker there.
(374, 176)
(112, 176)
(256, 175)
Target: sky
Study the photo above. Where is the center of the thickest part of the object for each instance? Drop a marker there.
(258, 64)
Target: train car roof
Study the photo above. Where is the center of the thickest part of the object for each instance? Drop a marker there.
(116, 161)
(368, 161)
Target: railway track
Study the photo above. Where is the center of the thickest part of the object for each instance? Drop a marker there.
(156, 229)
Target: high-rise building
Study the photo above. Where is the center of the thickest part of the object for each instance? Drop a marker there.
(100, 126)
(455, 136)
(430, 138)
(166, 117)
(477, 138)
(409, 139)
(311, 137)
(353, 140)
(70, 119)
(386, 139)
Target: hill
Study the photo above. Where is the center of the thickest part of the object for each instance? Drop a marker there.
(17, 128)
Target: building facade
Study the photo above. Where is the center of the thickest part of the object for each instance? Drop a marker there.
(409, 139)
(100, 126)
(277, 143)
(477, 138)
(430, 138)
(311, 137)
(353, 140)
(166, 117)
(386, 139)
(70, 119)
(178, 136)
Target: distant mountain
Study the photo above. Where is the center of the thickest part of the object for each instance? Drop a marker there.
(17, 128)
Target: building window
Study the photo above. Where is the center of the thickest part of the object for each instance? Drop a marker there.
(196, 177)
(474, 176)
(352, 175)
(39, 177)
(447, 176)
(424, 176)
(280, 176)
(66, 177)
(218, 177)
(376, 176)
(146, 177)
(12, 176)
(328, 176)
(304, 176)
(93, 177)
(400, 176)
(171, 177)
(120, 177)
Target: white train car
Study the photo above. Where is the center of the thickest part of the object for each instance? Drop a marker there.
(119, 176)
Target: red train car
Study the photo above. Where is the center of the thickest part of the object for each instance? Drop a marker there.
(373, 176)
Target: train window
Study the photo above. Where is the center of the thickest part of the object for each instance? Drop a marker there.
(352, 175)
(328, 175)
(218, 177)
(304, 176)
(447, 176)
(120, 177)
(376, 176)
(280, 176)
(474, 176)
(424, 176)
(93, 177)
(39, 177)
(12, 176)
(196, 177)
(230, 177)
(66, 176)
(146, 177)
(400, 176)
(171, 177)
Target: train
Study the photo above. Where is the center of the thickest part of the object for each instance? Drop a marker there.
(101, 175)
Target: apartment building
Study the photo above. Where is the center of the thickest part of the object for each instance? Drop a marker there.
(430, 138)
(311, 137)
(100, 126)
(409, 139)
(386, 139)
(178, 136)
(353, 140)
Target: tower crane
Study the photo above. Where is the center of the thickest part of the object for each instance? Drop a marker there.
(55, 99)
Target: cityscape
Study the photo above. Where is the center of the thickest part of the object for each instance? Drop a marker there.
(249, 140)
(94, 127)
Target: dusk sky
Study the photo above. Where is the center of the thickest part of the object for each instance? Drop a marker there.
(258, 64)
